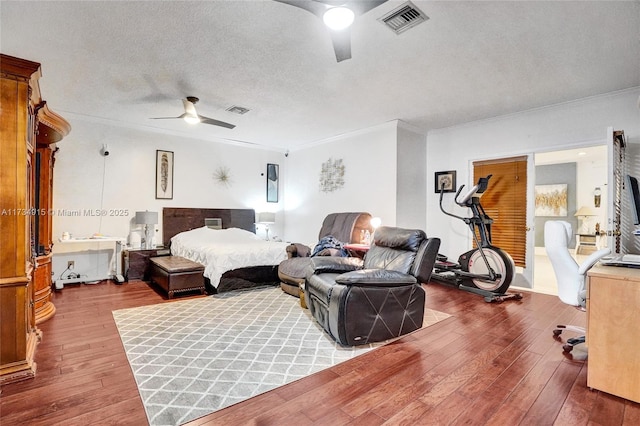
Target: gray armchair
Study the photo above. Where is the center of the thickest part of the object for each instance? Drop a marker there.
(359, 302)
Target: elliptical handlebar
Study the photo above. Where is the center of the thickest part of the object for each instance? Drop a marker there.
(446, 212)
(477, 191)
(466, 201)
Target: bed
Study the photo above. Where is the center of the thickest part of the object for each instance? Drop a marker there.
(234, 256)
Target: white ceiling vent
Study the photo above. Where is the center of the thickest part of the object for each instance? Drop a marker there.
(238, 110)
(403, 17)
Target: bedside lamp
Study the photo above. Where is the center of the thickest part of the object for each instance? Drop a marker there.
(375, 222)
(584, 213)
(266, 218)
(147, 218)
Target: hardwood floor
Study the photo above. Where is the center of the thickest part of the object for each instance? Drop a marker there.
(495, 364)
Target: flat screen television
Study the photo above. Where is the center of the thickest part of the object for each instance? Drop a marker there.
(634, 197)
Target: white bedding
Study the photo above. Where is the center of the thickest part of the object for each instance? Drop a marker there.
(222, 250)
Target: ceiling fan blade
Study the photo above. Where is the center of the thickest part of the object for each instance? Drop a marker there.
(207, 120)
(317, 8)
(360, 7)
(342, 44)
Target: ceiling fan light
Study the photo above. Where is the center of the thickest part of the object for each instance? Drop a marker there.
(191, 119)
(338, 18)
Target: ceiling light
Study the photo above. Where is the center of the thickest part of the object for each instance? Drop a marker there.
(191, 119)
(338, 18)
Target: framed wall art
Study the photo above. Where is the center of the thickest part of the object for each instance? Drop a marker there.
(164, 175)
(332, 175)
(445, 181)
(551, 200)
(273, 173)
(222, 175)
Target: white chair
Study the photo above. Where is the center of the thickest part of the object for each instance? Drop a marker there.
(570, 277)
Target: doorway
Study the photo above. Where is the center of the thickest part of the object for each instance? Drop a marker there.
(591, 176)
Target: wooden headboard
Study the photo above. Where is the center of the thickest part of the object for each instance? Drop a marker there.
(180, 219)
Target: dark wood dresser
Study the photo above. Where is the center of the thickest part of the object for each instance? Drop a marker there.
(28, 139)
(136, 262)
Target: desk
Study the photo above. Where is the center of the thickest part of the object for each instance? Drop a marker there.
(118, 242)
(613, 334)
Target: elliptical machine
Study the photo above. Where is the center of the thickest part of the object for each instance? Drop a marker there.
(486, 269)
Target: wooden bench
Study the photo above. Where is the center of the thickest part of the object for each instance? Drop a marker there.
(176, 274)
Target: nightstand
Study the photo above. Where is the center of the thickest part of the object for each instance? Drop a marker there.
(136, 262)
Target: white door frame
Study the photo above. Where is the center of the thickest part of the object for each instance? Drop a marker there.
(529, 271)
(530, 275)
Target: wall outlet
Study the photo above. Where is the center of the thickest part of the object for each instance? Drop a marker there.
(71, 264)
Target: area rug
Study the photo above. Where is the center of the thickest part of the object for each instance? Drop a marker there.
(193, 357)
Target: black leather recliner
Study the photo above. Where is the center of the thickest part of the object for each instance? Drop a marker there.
(359, 302)
(345, 227)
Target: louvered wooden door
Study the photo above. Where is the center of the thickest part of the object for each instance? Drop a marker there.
(505, 201)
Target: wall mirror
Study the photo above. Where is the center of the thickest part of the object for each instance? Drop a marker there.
(273, 172)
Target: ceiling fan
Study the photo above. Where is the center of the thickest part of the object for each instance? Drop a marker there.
(191, 115)
(338, 15)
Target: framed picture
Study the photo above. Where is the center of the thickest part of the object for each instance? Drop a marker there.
(273, 173)
(164, 175)
(551, 200)
(445, 181)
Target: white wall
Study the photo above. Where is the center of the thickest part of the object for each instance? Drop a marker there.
(369, 156)
(562, 126)
(412, 179)
(128, 174)
(590, 175)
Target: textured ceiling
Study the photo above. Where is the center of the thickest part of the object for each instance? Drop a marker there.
(125, 62)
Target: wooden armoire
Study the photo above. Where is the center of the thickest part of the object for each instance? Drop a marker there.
(27, 148)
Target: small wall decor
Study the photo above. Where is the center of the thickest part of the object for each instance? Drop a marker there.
(597, 194)
(551, 200)
(445, 181)
(164, 175)
(222, 175)
(273, 173)
(332, 175)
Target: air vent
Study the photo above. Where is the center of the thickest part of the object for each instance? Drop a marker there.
(403, 17)
(238, 110)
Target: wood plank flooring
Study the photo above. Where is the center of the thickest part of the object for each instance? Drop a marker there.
(494, 364)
